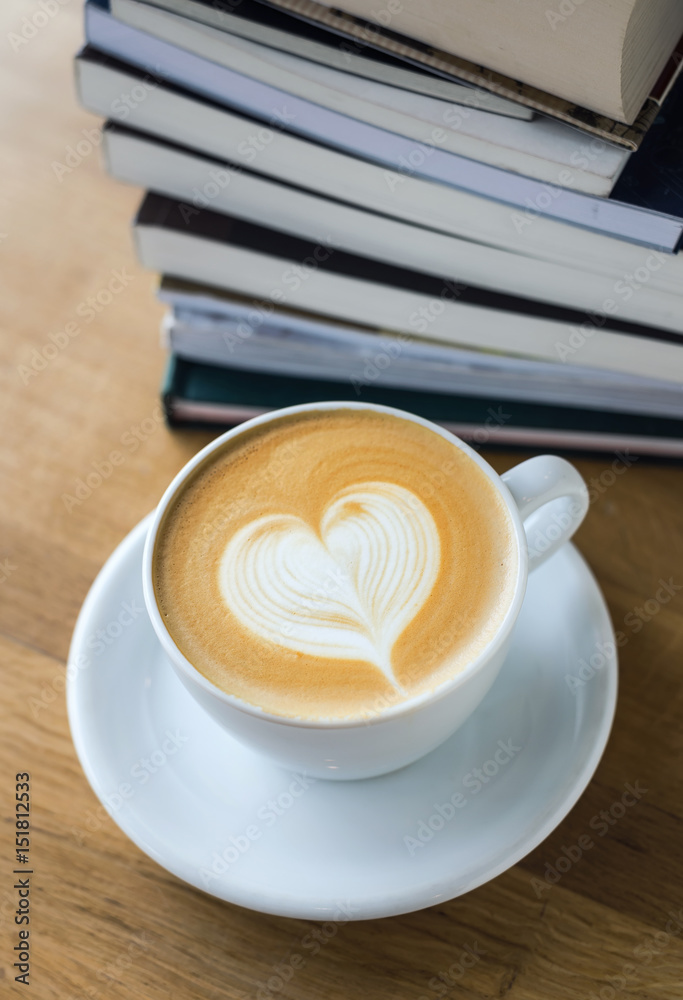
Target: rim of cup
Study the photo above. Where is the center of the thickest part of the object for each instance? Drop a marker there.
(403, 707)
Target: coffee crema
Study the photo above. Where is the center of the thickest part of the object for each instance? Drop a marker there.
(331, 563)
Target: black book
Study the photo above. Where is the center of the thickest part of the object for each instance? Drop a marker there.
(200, 395)
(653, 177)
(218, 250)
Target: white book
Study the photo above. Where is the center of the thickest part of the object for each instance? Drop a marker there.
(261, 23)
(605, 55)
(398, 154)
(137, 99)
(213, 249)
(543, 149)
(189, 176)
(236, 333)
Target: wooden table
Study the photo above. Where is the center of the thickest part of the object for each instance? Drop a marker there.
(106, 921)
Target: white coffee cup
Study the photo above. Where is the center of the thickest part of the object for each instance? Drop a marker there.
(547, 499)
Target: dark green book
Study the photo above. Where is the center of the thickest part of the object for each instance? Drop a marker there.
(200, 395)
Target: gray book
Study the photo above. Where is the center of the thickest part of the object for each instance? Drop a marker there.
(397, 153)
(216, 328)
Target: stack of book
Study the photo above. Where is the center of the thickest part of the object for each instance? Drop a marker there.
(473, 215)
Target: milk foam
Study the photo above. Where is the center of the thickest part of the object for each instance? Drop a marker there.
(330, 562)
(346, 590)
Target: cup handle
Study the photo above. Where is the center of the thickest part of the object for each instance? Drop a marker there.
(552, 499)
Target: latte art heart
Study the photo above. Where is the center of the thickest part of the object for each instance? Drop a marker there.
(347, 591)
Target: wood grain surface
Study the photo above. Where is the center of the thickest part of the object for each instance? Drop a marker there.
(106, 921)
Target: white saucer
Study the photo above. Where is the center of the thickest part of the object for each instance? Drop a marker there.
(339, 849)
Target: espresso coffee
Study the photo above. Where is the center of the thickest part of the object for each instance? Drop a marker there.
(331, 563)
